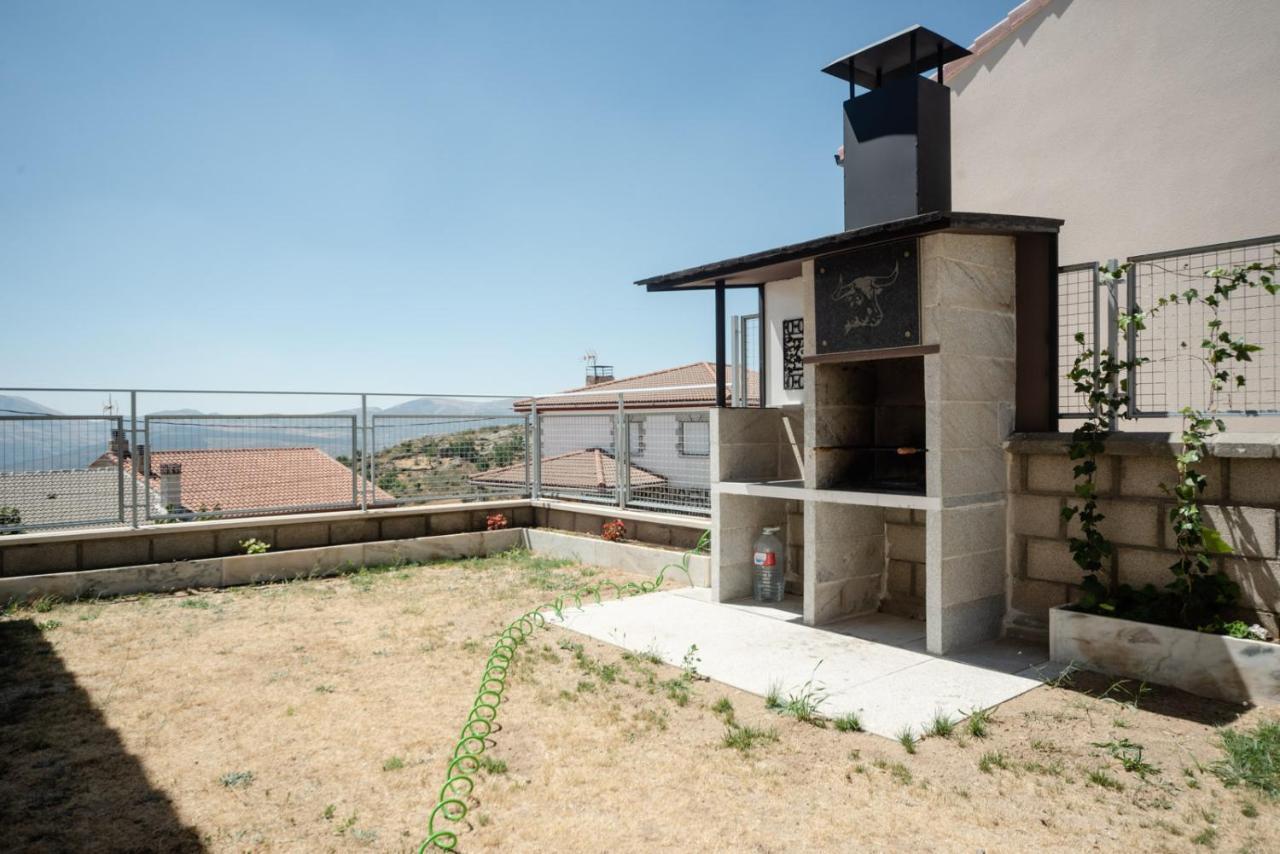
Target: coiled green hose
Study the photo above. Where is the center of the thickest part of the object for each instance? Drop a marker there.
(451, 805)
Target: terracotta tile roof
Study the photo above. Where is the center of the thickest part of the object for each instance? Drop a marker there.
(586, 469)
(254, 478)
(694, 374)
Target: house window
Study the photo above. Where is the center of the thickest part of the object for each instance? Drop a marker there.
(693, 437)
(635, 429)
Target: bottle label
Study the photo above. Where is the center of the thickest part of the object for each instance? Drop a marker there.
(766, 559)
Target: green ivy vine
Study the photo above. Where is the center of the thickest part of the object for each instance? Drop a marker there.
(1199, 596)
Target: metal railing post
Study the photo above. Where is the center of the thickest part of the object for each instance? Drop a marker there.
(1131, 337)
(535, 448)
(119, 431)
(622, 477)
(1110, 315)
(355, 496)
(364, 451)
(133, 444)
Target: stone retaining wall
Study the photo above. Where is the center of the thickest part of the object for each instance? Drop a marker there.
(100, 548)
(1241, 501)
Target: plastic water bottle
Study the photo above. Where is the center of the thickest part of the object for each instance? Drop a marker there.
(768, 576)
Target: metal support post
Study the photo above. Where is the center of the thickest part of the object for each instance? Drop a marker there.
(364, 451)
(133, 443)
(622, 477)
(535, 484)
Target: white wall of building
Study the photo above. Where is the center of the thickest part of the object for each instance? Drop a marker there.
(1147, 125)
(783, 300)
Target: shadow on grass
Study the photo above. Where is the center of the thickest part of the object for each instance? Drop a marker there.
(67, 783)
(1157, 699)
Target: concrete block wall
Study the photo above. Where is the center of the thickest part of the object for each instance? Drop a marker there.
(844, 560)
(753, 445)
(1242, 501)
(737, 520)
(904, 562)
(967, 308)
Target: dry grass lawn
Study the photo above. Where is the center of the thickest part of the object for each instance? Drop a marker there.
(318, 715)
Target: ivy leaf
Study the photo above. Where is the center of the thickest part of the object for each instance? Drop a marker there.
(1214, 544)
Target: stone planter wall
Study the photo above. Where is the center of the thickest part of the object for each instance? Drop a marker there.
(1242, 501)
(1233, 669)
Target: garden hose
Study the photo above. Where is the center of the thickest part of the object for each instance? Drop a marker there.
(464, 762)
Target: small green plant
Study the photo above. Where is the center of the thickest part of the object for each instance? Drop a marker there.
(236, 779)
(195, 602)
(849, 722)
(744, 738)
(1099, 777)
(48, 625)
(44, 604)
(395, 763)
(1206, 838)
(1129, 753)
(992, 759)
(492, 766)
(941, 726)
(329, 812)
(1251, 758)
(979, 723)
(325, 689)
(773, 696)
(907, 738)
(723, 707)
(254, 546)
(1249, 809)
(689, 664)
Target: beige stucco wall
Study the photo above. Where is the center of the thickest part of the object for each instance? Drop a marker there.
(1146, 124)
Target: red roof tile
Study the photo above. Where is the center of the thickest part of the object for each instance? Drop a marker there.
(254, 478)
(695, 374)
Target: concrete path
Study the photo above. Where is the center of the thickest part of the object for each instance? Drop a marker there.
(875, 665)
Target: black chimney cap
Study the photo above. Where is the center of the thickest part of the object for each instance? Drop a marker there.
(891, 57)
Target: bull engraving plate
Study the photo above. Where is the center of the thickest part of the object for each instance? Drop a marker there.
(868, 299)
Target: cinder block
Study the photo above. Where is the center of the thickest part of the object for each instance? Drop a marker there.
(1035, 515)
(458, 521)
(228, 541)
(1139, 567)
(184, 545)
(1259, 582)
(40, 558)
(905, 542)
(402, 527)
(126, 551)
(900, 577)
(968, 332)
(561, 520)
(1255, 482)
(1052, 473)
(969, 425)
(1131, 523)
(647, 532)
(307, 535)
(971, 472)
(973, 576)
(1050, 560)
(1034, 598)
(975, 379)
(353, 531)
(897, 516)
(973, 528)
(1250, 531)
(1145, 477)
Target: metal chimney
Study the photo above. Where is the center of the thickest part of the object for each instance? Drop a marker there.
(897, 133)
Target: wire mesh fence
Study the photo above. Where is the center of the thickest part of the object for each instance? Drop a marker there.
(1174, 375)
(669, 461)
(1077, 313)
(207, 466)
(579, 458)
(422, 458)
(54, 472)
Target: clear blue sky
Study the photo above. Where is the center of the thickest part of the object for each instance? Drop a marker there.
(420, 196)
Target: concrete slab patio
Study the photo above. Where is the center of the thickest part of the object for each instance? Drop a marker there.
(875, 666)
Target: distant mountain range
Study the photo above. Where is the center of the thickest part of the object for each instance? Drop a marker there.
(38, 445)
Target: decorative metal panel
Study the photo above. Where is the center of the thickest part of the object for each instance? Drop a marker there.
(793, 354)
(868, 299)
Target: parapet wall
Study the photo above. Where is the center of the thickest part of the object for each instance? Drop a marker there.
(1241, 501)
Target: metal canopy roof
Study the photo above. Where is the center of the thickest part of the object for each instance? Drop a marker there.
(891, 57)
(783, 262)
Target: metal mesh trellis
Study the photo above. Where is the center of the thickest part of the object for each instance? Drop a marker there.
(579, 457)
(56, 472)
(1174, 377)
(671, 463)
(419, 458)
(1077, 312)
